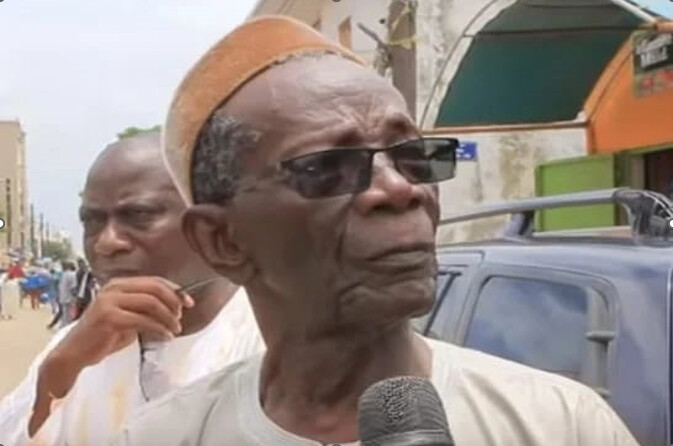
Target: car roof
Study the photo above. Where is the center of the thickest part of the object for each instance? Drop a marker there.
(591, 253)
(577, 242)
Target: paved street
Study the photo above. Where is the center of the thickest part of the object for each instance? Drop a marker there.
(20, 340)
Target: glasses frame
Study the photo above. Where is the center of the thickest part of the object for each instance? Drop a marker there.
(282, 170)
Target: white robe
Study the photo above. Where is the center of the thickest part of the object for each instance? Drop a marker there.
(488, 402)
(10, 297)
(105, 396)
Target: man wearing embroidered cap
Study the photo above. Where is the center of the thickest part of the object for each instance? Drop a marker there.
(311, 186)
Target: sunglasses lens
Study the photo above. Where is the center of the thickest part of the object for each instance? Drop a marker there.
(426, 160)
(330, 173)
(347, 171)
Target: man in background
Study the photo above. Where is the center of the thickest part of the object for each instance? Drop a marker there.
(140, 337)
(66, 292)
(54, 296)
(55, 280)
(16, 271)
(15, 275)
(10, 295)
(85, 289)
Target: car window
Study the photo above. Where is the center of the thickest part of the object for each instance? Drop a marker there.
(535, 322)
(440, 325)
(420, 323)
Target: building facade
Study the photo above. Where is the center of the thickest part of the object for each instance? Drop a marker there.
(543, 94)
(15, 236)
(338, 20)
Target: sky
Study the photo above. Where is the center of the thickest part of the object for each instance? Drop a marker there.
(77, 72)
(662, 7)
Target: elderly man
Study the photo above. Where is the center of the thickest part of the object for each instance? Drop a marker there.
(139, 338)
(313, 188)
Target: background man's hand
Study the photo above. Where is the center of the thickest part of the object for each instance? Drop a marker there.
(123, 310)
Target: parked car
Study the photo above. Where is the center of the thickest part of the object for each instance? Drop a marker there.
(593, 305)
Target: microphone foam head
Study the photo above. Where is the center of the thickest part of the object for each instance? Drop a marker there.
(403, 410)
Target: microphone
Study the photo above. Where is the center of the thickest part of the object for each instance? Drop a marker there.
(403, 411)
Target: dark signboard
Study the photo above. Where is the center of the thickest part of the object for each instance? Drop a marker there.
(652, 62)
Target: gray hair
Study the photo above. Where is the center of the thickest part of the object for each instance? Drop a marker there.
(222, 142)
(217, 158)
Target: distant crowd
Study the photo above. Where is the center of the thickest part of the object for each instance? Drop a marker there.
(68, 287)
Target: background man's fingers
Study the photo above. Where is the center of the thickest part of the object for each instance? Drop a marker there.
(187, 300)
(160, 288)
(166, 291)
(152, 307)
(142, 324)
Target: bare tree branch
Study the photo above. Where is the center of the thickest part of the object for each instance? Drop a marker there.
(373, 35)
(382, 60)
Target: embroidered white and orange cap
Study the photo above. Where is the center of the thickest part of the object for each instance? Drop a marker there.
(233, 61)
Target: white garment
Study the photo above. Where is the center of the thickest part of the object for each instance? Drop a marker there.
(10, 293)
(83, 284)
(488, 401)
(66, 287)
(105, 395)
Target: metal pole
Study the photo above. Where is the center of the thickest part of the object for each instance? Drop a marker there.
(635, 10)
(41, 245)
(33, 245)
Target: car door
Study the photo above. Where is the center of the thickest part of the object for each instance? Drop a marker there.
(455, 271)
(555, 320)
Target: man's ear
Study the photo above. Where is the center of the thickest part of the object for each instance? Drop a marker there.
(208, 230)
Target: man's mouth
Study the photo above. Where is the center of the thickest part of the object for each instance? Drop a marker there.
(406, 251)
(399, 260)
(109, 274)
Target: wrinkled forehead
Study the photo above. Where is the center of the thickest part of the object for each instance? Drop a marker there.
(312, 91)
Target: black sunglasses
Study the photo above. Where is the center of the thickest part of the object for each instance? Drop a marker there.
(334, 172)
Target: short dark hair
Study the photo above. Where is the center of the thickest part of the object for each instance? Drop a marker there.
(217, 158)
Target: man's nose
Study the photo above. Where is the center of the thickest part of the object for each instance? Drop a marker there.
(111, 241)
(389, 189)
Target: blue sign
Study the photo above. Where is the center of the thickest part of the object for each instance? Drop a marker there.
(467, 151)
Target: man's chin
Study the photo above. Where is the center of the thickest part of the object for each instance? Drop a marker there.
(385, 305)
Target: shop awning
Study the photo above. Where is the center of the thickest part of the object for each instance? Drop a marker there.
(536, 62)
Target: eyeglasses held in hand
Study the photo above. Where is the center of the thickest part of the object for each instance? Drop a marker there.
(342, 171)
